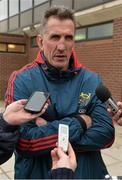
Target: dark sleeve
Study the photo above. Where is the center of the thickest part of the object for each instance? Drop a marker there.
(61, 173)
(101, 134)
(8, 138)
(36, 140)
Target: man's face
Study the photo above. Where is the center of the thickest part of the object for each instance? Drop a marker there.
(58, 41)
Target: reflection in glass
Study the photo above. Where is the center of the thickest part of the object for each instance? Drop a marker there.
(36, 2)
(25, 4)
(80, 34)
(16, 48)
(3, 47)
(13, 7)
(3, 9)
(33, 42)
(99, 31)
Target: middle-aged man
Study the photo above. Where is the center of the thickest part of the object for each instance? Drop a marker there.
(73, 102)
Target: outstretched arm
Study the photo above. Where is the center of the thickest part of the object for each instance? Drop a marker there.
(13, 116)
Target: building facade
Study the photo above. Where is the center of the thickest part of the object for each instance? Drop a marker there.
(98, 38)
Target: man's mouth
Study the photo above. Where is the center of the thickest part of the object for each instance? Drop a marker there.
(60, 57)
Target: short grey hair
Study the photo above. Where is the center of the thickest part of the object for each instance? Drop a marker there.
(60, 13)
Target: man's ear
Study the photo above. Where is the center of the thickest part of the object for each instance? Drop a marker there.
(39, 40)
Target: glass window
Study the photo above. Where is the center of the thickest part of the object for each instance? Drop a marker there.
(65, 3)
(16, 48)
(25, 4)
(80, 34)
(13, 7)
(3, 47)
(36, 2)
(100, 31)
(33, 42)
(3, 9)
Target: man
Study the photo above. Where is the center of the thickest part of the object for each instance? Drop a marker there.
(63, 165)
(13, 116)
(73, 102)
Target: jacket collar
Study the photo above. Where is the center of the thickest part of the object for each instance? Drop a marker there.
(53, 73)
(76, 63)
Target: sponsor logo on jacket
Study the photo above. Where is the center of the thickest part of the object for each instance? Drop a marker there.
(84, 99)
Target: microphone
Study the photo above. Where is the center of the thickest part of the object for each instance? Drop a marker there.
(103, 93)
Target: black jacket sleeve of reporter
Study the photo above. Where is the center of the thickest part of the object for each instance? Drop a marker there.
(8, 138)
(61, 173)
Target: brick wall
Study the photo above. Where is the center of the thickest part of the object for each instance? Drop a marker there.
(11, 61)
(105, 58)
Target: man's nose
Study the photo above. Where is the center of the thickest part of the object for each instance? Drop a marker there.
(61, 45)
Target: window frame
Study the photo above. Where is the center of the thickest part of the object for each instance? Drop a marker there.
(35, 44)
(18, 52)
(6, 47)
(97, 38)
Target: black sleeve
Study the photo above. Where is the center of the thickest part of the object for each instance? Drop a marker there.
(61, 173)
(8, 138)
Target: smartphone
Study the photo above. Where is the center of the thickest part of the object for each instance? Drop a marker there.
(36, 101)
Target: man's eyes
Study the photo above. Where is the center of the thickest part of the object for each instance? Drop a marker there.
(70, 37)
(57, 37)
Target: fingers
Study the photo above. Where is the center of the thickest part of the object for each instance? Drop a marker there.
(117, 115)
(54, 155)
(71, 152)
(43, 110)
(72, 157)
(120, 121)
(60, 152)
(110, 112)
(22, 101)
(119, 104)
(40, 121)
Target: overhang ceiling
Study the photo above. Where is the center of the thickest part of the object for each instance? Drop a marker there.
(101, 13)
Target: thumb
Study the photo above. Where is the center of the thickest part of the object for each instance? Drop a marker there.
(22, 101)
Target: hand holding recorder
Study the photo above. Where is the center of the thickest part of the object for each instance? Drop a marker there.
(118, 116)
(115, 109)
(62, 160)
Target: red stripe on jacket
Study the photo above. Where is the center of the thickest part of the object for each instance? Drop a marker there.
(37, 149)
(41, 143)
(10, 87)
(36, 140)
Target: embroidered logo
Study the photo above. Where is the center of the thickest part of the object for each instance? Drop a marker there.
(83, 101)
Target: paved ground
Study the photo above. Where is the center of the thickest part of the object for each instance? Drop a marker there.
(112, 158)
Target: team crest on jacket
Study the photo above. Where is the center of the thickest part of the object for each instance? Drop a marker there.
(83, 101)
